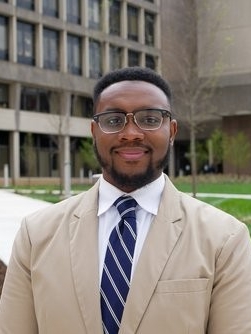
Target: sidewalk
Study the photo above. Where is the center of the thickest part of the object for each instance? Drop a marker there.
(13, 208)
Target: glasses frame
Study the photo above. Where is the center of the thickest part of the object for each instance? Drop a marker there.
(164, 112)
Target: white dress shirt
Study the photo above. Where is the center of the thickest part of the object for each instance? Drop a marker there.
(147, 197)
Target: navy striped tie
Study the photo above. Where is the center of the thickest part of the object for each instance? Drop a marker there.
(116, 274)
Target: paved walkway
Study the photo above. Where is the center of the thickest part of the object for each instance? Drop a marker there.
(14, 207)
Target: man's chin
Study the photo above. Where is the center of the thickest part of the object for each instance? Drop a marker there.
(131, 181)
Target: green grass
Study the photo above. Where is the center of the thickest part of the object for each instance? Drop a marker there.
(217, 187)
(239, 208)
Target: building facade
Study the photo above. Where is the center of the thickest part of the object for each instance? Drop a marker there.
(51, 53)
(211, 39)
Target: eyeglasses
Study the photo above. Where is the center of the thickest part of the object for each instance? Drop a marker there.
(145, 119)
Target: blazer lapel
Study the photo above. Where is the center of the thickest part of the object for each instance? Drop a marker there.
(84, 256)
(161, 240)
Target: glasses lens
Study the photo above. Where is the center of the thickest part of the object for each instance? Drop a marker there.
(150, 119)
(112, 122)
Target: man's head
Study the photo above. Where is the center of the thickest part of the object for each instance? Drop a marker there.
(130, 74)
(132, 127)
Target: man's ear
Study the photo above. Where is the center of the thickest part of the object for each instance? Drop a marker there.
(92, 127)
(173, 131)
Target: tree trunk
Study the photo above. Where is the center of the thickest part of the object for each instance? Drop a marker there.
(193, 160)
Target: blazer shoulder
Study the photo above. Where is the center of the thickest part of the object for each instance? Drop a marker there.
(205, 216)
(62, 213)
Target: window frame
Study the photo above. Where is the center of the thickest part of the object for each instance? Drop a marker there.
(94, 14)
(74, 52)
(131, 54)
(25, 31)
(26, 4)
(133, 23)
(115, 17)
(51, 8)
(4, 38)
(95, 58)
(50, 61)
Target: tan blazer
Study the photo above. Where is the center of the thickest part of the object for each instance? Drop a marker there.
(193, 275)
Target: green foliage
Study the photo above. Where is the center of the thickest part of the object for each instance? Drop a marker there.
(239, 208)
(201, 154)
(88, 155)
(217, 146)
(28, 154)
(237, 151)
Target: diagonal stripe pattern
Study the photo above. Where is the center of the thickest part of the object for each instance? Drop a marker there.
(116, 274)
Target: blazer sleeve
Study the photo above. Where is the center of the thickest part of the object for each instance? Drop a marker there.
(17, 313)
(231, 296)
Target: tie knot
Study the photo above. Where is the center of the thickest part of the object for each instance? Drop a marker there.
(126, 206)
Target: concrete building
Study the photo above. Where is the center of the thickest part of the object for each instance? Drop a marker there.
(52, 51)
(211, 39)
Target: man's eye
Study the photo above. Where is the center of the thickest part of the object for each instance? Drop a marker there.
(114, 121)
(150, 120)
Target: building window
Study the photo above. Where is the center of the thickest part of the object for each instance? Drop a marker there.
(73, 11)
(34, 99)
(132, 23)
(95, 59)
(149, 28)
(114, 17)
(150, 62)
(25, 43)
(81, 106)
(94, 14)
(4, 54)
(50, 7)
(74, 54)
(38, 99)
(51, 49)
(133, 58)
(115, 57)
(27, 4)
(4, 96)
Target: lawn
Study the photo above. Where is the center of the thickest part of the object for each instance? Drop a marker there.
(240, 208)
(216, 184)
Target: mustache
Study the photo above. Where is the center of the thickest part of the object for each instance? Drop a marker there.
(130, 145)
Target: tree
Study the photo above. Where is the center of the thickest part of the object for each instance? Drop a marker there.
(216, 140)
(186, 53)
(237, 151)
(29, 155)
(88, 156)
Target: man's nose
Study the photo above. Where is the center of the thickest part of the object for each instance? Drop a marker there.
(131, 130)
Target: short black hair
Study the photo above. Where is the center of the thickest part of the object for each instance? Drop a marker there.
(131, 73)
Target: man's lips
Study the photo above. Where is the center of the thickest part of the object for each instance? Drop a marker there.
(131, 153)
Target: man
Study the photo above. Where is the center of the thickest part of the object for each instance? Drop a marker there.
(190, 267)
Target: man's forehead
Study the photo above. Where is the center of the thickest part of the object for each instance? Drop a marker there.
(131, 86)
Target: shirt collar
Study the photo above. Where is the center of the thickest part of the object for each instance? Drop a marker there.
(148, 197)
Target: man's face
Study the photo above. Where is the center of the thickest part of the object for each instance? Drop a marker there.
(133, 157)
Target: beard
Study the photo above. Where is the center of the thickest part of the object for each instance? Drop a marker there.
(134, 181)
